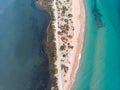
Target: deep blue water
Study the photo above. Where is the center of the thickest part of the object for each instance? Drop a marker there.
(23, 60)
(100, 64)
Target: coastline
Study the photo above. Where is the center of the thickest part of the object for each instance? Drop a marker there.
(78, 15)
(65, 81)
(50, 44)
(80, 42)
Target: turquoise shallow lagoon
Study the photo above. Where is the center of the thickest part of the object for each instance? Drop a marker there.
(100, 64)
(23, 59)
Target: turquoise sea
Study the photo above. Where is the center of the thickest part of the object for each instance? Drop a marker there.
(100, 64)
(23, 59)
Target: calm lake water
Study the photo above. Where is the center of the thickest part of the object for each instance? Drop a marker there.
(23, 61)
(100, 65)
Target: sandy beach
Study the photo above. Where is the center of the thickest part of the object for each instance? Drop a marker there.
(78, 11)
(69, 58)
(69, 33)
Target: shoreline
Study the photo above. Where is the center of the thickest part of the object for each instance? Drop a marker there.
(64, 80)
(51, 43)
(79, 46)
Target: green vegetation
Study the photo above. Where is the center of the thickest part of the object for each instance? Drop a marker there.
(65, 68)
(51, 45)
(63, 47)
(70, 15)
(64, 9)
(68, 0)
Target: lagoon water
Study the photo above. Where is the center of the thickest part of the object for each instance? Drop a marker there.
(100, 64)
(23, 61)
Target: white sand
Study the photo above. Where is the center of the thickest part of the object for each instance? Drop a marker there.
(58, 62)
(65, 80)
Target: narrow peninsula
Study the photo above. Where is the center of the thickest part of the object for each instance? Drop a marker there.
(65, 36)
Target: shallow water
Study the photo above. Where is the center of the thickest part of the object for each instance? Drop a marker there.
(23, 61)
(100, 63)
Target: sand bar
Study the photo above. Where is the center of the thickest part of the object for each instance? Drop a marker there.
(72, 40)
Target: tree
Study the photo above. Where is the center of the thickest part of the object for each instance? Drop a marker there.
(70, 15)
(63, 47)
